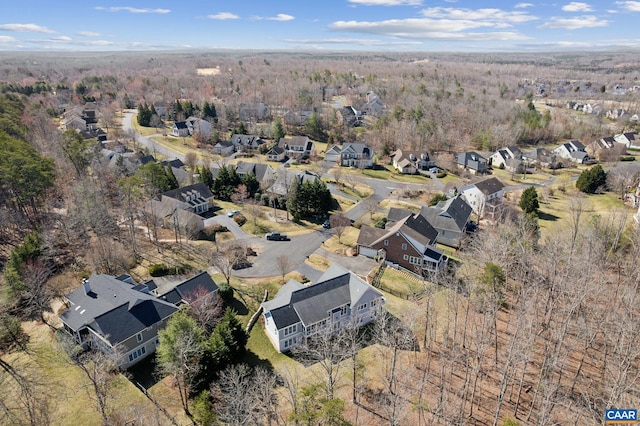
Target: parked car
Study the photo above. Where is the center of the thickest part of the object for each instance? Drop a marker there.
(232, 213)
(434, 170)
(276, 236)
(326, 224)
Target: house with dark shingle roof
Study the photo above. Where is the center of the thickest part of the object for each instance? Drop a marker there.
(180, 129)
(410, 162)
(356, 155)
(296, 146)
(299, 311)
(116, 316)
(473, 162)
(484, 197)
(190, 289)
(263, 172)
(450, 218)
(573, 151)
(410, 244)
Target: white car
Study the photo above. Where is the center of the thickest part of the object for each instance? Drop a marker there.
(232, 213)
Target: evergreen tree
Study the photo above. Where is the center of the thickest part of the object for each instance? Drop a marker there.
(154, 178)
(171, 178)
(206, 176)
(591, 179)
(309, 199)
(278, 130)
(144, 115)
(313, 126)
(209, 112)
(225, 183)
(240, 130)
(529, 200)
(252, 184)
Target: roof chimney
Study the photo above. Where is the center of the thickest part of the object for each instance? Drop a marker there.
(87, 287)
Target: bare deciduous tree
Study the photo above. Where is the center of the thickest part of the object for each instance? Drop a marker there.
(339, 223)
(284, 265)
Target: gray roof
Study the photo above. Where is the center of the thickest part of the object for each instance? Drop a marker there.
(190, 288)
(310, 304)
(180, 193)
(395, 214)
(358, 148)
(451, 215)
(113, 308)
(489, 186)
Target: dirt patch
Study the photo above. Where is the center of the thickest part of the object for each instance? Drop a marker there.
(208, 71)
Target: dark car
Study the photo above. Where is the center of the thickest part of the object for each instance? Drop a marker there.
(326, 224)
(276, 236)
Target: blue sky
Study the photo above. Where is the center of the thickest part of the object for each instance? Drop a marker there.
(371, 25)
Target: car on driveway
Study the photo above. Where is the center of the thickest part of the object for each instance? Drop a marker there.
(232, 213)
(326, 224)
(434, 170)
(276, 236)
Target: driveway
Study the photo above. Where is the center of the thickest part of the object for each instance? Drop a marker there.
(153, 147)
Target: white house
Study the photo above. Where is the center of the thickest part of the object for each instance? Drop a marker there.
(573, 151)
(300, 311)
(630, 139)
(508, 158)
(484, 197)
(333, 154)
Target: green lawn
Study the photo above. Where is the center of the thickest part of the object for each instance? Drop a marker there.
(387, 172)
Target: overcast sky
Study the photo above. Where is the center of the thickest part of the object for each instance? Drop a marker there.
(373, 25)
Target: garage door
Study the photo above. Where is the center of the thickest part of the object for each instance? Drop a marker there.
(367, 251)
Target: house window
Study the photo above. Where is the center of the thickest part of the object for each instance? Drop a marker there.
(139, 337)
(415, 260)
(404, 246)
(137, 354)
(290, 330)
(363, 306)
(405, 257)
(344, 310)
(386, 242)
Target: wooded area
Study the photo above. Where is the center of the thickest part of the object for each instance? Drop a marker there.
(530, 329)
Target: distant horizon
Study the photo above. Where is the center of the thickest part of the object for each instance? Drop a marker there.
(457, 26)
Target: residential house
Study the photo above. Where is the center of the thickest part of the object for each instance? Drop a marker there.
(192, 289)
(254, 112)
(263, 172)
(357, 155)
(630, 139)
(473, 162)
(410, 244)
(606, 148)
(540, 156)
(411, 162)
(73, 121)
(573, 151)
(224, 148)
(246, 142)
(180, 129)
(116, 317)
(339, 298)
(333, 154)
(373, 106)
(287, 180)
(450, 218)
(182, 209)
(349, 116)
(296, 118)
(198, 128)
(509, 158)
(296, 146)
(484, 197)
(277, 153)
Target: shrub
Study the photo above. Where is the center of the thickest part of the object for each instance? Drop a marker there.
(592, 179)
(225, 291)
(240, 219)
(627, 158)
(381, 223)
(158, 270)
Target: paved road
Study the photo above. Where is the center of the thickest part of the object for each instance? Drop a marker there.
(299, 248)
(127, 116)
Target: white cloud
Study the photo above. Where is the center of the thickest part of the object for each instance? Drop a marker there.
(631, 6)
(588, 21)
(7, 39)
(426, 29)
(575, 6)
(281, 17)
(88, 34)
(26, 28)
(358, 41)
(523, 5)
(62, 39)
(223, 16)
(132, 9)
(387, 2)
(497, 16)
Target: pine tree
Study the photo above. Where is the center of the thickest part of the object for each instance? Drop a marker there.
(529, 200)
(171, 178)
(278, 130)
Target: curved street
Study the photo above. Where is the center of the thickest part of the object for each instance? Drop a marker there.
(299, 248)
